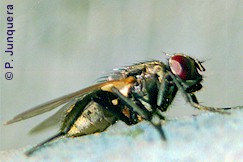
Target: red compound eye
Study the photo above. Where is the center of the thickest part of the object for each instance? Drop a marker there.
(183, 66)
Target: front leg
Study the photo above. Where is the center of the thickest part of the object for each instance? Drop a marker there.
(191, 98)
(167, 92)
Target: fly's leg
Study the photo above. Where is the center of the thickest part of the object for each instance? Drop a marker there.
(112, 109)
(69, 120)
(63, 132)
(131, 105)
(143, 112)
(156, 125)
(161, 91)
(191, 98)
(213, 109)
(33, 149)
(159, 128)
(166, 93)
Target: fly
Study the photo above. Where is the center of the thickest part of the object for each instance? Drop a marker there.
(131, 94)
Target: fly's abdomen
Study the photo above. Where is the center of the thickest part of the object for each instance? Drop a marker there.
(93, 119)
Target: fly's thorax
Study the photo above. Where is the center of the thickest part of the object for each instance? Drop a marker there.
(157, 69)
(146, 90)
(137, 69)
(93, 119)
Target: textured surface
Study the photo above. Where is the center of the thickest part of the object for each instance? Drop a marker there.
(207, 137)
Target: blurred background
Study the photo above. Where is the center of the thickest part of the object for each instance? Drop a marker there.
(63, 46)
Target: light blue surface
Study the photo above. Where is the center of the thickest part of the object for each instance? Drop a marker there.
(207, 137)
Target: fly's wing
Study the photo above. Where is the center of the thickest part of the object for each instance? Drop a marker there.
(53, 120)
(105, 86)
(66, 112)
(54, 103)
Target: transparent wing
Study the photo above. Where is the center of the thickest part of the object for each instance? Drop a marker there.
(78, 94)
(40, 109)
(53, 120)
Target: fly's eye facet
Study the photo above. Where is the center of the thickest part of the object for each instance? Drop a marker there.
(183, 66)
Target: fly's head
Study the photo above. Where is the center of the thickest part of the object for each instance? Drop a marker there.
(186, 68)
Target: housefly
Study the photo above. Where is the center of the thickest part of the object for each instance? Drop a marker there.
(130, 94)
